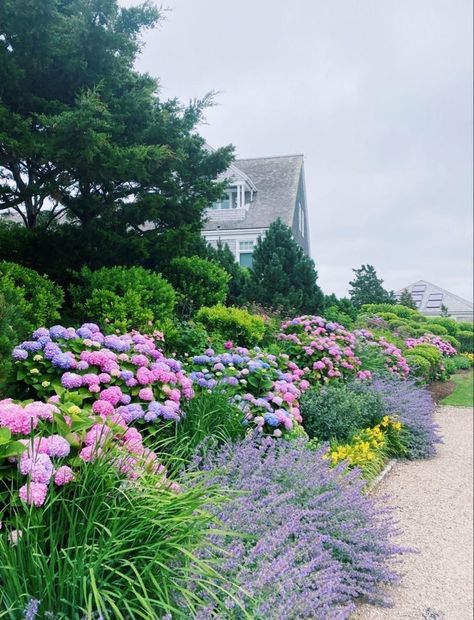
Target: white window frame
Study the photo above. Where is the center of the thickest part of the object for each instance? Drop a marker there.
(240, 251)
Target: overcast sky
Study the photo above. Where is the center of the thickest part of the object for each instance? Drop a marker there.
(377, 95)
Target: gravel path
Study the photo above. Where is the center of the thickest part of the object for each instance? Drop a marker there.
(434, 501)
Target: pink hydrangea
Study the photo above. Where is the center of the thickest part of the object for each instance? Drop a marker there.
(102, 407)
(39, 467)
(146, 394)
(33, 493)
(112, 394)
(64, 475)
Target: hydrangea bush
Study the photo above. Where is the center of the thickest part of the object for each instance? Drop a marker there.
(127, 372)
(49, 440)
(325, 350)
(314, 541)
(393, 358)
(266, 387)
(444, 347)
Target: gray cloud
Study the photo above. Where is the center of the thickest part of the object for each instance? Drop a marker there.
(378, 97)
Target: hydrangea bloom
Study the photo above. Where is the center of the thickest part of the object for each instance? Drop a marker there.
(325, 350)
(109, 367)
(266, 387)
(33, 493)
(445, 348)
(393, 357)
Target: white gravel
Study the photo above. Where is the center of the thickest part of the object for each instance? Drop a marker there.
(434, 504)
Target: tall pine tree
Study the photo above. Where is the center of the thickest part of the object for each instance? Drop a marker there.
(282, 276)
(366, 288)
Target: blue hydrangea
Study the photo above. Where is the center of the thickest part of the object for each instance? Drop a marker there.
(57, 331)
(62, 360)
(271, 420)
(19, 354)
(31, 345)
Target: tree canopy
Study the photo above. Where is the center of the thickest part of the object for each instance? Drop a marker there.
(366, 288)
(282, 276)
(85, 136)
(406, 299)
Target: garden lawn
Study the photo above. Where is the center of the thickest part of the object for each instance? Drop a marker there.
(463, 395)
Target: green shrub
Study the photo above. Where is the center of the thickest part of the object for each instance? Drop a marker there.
(465, 327)
(198, 282)
(236, 324)
(437, 330)
(27, 301)
(337, 412)
(449, 324)
(461, 362)
(454, 341)
(123, 298)
(185, 338)
(432, 355)
(333, 313)
(41, 298)
(399, 311)
(419, 365)
(99, 548)
(466, 341)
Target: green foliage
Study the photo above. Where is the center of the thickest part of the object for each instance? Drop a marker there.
(185, 338)
(239, 276)
(419, 366)
(209, 421)
(131, 548)
(198, 282)
(27, 301)
(431, 354)
(465, 327)
(333, 313)
(463, 395)
(435, 328)
(282, 276)
(123, 298)
(366, 288)
(236, 324)
(407, 300)
(337, 412)
(450, 325)
(400, 311)
(466, 341)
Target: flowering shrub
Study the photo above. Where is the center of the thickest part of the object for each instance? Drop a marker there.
(469, 357)
(315, 542)
(323, 349)
(127, 372)
(266, 387)
(51, 437)
(393, 359)
(445, 348)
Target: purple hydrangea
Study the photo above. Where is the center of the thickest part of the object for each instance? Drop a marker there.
(31, 345)
(315, 542)
(19, 354)
(58, 331)
(63, 360)
(71, 380)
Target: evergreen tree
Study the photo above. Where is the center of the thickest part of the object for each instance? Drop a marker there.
(82, 133)
(239, 275)
(366, 288)
(407, 300)
(282, 276)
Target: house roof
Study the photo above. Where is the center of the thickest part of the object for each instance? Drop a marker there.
(423, 291)
(276, 180)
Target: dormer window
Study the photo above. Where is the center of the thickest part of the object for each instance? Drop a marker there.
(237, 196)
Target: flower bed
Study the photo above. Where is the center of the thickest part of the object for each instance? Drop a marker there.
(126, 371)
(445, 348)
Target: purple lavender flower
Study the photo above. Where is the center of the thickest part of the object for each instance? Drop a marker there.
(31, 610)
(315, 542)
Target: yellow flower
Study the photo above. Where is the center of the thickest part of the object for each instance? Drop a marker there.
(74, 410)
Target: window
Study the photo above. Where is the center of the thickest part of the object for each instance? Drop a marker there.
(419, 288)
(435, 297)
(301, 219)
(237, 196)
(245, 253)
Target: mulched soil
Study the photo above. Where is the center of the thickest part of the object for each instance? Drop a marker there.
(441, 389)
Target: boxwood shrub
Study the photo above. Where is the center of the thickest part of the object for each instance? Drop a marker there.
(236, 324)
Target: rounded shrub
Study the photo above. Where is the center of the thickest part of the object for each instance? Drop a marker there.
(466, 341)
(27, 301)
(437, 330)
(198, 282)
(338, 412)
(123, 298)
(449, 324)
(185, 338)
(400, 311)
(419, 365)
(235, 324)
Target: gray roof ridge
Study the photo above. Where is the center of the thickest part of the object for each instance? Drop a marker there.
(441, 288)
(268, 157)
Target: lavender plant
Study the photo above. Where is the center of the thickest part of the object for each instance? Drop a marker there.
(313, 542)
(414, 407)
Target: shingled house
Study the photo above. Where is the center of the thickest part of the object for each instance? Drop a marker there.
(259, 191)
